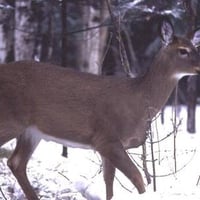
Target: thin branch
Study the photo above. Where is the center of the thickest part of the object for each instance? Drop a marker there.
(3, 195)
(178, 170)
(153, 161)
(175, 127)
(122, 50)
(104, 24)
(133, 59)
(108, 45)
(144, 161)
(169, 174)
(122, 185)
(198, 181)
(169, 134)
(65, 177)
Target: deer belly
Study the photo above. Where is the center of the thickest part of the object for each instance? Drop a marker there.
(34, 130)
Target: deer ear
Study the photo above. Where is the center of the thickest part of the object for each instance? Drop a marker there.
(196, 38)
(167, 32)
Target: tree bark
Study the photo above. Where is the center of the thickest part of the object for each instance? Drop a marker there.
(64, 33)
(44, 45)
(192, 10)
(6, 33)
(25, 30)
(93, 41)
(191, 103)
(64, 49)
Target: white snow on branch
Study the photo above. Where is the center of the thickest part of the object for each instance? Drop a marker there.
(138, 7)
(6, 6)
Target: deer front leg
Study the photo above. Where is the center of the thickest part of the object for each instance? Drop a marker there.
(25, 146)
(109, 174)
(115, 153)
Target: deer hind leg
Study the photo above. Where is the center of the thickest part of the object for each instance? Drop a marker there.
(116, 154)
(26, 144)
(109, 174)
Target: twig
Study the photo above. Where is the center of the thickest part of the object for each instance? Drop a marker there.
(106, 49)
(198, 181)
(3, 195)
(65, 177)
(150, 134)
(122, 185)
(122, 50)
(144, 161)
(178, 170)
(175, 127)
(168, 135)
(153, 160)
(158, 138)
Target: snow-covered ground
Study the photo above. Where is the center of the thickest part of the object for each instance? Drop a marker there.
(79, 177)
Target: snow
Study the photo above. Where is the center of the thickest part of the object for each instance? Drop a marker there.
(79, 177)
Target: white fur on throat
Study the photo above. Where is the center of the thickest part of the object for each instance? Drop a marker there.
(178, 76)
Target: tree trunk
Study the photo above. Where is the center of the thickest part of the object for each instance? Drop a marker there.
(25, 30)
(6, 33)
(192, 10)
(64, 33)
(44, 31)
(191, 103)
(93, 40)
(64, 49)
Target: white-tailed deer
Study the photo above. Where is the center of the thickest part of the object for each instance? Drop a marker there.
(108, 114)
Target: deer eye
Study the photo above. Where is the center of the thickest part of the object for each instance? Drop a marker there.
(183, 52)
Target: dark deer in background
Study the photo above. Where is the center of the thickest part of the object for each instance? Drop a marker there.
(108, 114)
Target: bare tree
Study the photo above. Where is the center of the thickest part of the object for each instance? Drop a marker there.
(6, 31)
(192, 9)
(25, 30)
(93, 40)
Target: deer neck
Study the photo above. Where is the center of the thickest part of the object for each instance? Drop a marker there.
(158, 83)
